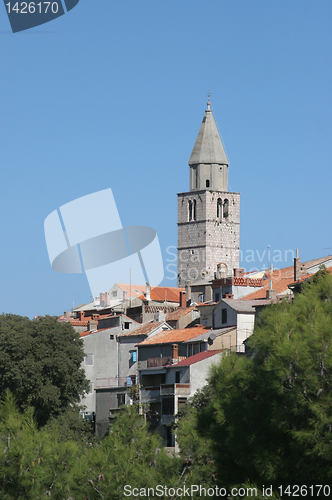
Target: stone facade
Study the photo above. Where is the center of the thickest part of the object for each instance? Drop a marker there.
(208, 217)
(210, 239)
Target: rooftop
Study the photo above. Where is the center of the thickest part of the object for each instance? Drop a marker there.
(175, 336)
(208, 147)
(281, 278)
(164, 294)
(196, 358)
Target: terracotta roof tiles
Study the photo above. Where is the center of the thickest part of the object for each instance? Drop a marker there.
(164, 293)
(175, 336)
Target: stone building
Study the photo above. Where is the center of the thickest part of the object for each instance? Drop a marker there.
(208, 214)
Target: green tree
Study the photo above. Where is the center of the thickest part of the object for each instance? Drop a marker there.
(40, 362)
(269, 416)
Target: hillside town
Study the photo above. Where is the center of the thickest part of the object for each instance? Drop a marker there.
(156, 345)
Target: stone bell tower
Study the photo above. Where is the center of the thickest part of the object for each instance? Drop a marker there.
(208, 214)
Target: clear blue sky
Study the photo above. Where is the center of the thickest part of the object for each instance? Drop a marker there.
(112, 94)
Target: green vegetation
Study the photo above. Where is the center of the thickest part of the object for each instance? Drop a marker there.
(267, 418)
(263, 419)
(40, 362)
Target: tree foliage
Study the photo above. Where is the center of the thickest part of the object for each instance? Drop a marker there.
(36, 464)
(40, 362)
(269, 417)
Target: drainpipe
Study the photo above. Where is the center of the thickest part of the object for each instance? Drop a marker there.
(119, 359)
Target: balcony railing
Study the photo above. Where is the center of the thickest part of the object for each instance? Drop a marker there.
(159, 361)
(106, 383)
(172, 389)
(150, 394)
(162, 361)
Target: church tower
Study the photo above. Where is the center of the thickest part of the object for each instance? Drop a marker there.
(208, 215)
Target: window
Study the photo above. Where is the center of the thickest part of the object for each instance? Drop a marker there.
(201, 297)
(219, 208)
(207, 183)
(127, 325)
(217, 297)
(226, 209)
(194, 209)
(114, 294)
(177, 377)
(111, 337)
(89, 360)
(190, 210)
(168, 406)
(133, 356)
(121, 399)
(224, 316)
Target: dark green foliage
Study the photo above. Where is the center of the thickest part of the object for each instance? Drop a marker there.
(269, 418)
(37, 464)
(40, 362)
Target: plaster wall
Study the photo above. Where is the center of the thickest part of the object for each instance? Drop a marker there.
(199, 372)
(245, 328)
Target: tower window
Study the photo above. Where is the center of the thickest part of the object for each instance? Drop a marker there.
(190, 210)
(219, 208)
(207, 183)
(194, 210)
(226, 208)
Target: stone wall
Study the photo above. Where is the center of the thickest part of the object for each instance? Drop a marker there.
(207, 239)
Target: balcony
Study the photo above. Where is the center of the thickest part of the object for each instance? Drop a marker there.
(175, 389)
(162, 361)
(150, 394)
(159, 361)
(107, 383)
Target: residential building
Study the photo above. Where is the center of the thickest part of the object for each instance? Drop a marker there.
(120, 371)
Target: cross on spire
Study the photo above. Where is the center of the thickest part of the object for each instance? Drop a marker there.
(208, 96)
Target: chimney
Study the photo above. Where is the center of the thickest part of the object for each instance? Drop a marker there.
(183, 299)
(175, 353)
(229, 296)
(82, 313)
(159, 316)
(238, 272)
(92, 325)
(147, 293)
(270, 293)
(297, 266)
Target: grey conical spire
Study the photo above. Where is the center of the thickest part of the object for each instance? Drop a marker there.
(208, 147)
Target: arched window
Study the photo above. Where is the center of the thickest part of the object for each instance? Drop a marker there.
(190, 210)
(219, 208)
(207, 183)
(226, 208)
(194, 209)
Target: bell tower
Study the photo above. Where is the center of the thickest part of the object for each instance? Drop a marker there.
(208, 214)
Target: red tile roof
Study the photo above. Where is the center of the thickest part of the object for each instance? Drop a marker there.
(136, 290)
(164, 293)
(143, 330)
(281, 278)
(175, 336)
(197, 357)
(178, 313)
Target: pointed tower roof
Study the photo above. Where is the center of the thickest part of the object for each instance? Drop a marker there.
(208, 146)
